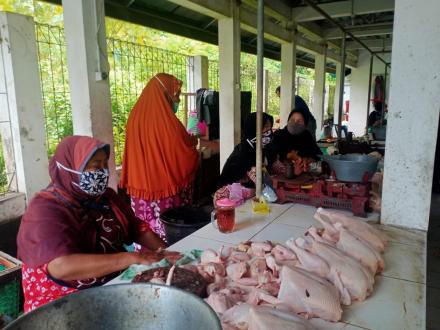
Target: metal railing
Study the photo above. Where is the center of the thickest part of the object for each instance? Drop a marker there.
(54, 84)
(131, 67)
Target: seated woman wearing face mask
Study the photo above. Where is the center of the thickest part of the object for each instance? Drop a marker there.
(240, 166)
(72, 234)
(295, 143)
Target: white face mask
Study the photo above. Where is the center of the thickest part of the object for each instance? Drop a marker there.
(93, 183)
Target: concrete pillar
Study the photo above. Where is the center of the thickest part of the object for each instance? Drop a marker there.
(197, 77)
(413, 114)
(88, 67)
(337, 91)
(229, 76)
(197, 73)
(318, 92)
(359, 90)
(288, 70)
(21, 106)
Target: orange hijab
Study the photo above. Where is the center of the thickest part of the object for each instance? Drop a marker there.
(159, 158)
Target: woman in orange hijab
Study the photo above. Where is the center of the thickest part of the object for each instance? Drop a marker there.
(160, 159)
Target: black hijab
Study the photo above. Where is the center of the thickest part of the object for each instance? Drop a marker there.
(242, 159)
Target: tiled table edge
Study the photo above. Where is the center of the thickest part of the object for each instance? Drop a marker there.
(268, 224)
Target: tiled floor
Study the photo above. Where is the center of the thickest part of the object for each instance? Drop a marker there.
(433, 267)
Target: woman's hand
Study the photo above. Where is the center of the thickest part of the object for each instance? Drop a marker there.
(149, 257)
(298, 166)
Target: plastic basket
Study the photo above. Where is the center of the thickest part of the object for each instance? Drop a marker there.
(10, 279)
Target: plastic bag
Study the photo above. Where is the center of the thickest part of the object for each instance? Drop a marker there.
(260, 206)
(269, 194)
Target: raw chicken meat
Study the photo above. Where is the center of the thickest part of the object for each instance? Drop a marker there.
(210, 255)
(237, 256)
(258, 295)
(309, 294)
(224, 299)
(347, 274)
(237, 270)
(360, 250)
(246, 317)
(259, 249)
(309, 261)
(272, 264)
(358, 227)
(257, 267)
(236, 316)
(263, 318)
(213, 269)
(282, 253)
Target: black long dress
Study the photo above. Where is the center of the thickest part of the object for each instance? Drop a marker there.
(304, 144)
(242, 159)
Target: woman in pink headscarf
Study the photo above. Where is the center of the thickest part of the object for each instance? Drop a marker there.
(72, 234)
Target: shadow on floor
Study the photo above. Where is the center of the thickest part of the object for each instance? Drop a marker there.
(433, 267)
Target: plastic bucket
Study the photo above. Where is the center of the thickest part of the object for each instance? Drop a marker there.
(182, 221)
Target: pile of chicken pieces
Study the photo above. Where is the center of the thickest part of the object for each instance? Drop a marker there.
(262, 285)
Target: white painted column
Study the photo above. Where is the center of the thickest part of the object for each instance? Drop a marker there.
(21, 106)
(229, 76)
(318, 92)
(87, 63)
(413, 114)
(197, 73)
(337, 91)
(359, 90)
(288, 70)
(197, 77)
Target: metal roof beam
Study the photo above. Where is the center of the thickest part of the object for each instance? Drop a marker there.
(336, 33)
(372, 44)
(281, 11)
(213, 8)
(343, 8)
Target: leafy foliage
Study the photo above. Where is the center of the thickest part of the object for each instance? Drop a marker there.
(133, 62)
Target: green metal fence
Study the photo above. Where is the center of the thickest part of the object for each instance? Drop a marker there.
(54, 84)
(131, 67)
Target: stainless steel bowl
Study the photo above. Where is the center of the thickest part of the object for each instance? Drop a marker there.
(123, 306)
(350, 167)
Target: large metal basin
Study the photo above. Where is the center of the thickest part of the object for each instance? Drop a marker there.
(350, 167)
(124, 307)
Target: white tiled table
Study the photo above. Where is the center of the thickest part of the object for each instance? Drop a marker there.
(399, 297)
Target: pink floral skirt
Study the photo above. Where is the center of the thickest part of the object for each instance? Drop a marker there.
(149, 211)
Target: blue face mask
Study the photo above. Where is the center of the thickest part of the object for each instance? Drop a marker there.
(93, 183)
(175, 107)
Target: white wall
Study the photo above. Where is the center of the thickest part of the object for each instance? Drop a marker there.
(359, 90)
(413, 114)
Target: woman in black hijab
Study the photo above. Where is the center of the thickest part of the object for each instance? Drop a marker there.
(295, 138)
(242, 159)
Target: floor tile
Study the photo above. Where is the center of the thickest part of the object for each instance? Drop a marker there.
(319, 324)
(405, 262)
(404, 236)
(394, 304)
